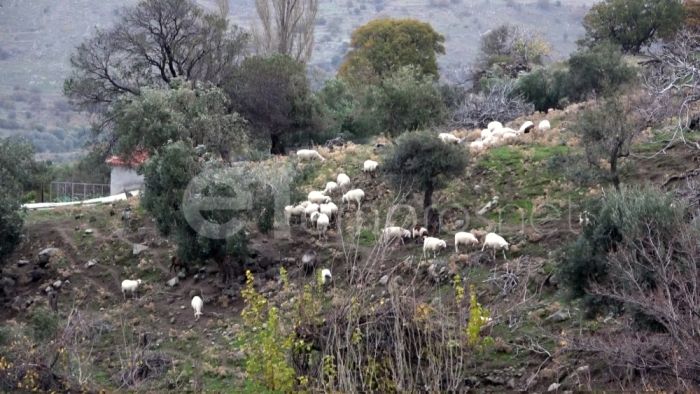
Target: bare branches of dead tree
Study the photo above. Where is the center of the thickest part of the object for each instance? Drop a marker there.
(286, 27)
(478, 110)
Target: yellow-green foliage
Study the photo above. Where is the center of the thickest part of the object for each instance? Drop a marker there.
(478, 316)
(267, 345)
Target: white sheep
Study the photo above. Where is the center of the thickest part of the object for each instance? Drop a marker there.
(447, 138)
(309, 210)
(131, 286)
(419, 232)
(494, 125)
(326, 276)
(370, 167)
(495, 241)
(544, 125)
(330, 188)
(476, 145)
(344, 182)
(526, 127)
(497, 132)
(509, 135)
(434, 244)
(327, 210)
(197, 304)
(293, 210)
(354, 195)
(390, 233)
(309, 154)
(464, 238)
(322, 224)
(314, 217)
(485, 133)
(317, 197)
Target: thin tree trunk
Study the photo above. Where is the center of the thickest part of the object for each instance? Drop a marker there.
(614, 171)
(277, 148)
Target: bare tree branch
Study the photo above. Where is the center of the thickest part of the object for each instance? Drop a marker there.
(286, 27)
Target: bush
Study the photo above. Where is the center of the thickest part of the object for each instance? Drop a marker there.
(44, 324)
(542, 88)
(264, 207)
(599, 69)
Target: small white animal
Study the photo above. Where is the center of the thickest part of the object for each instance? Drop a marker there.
(344, 182)
(326, 276)
(322, 224)
(131, 286)
(495, 241)
(419, 232)
(317, 197)
(390, 233)
(197, 304)
(309, 154)
(356, 195)
(310, 209)
(526, 127)
(494, 125)
(370, 167)
(292, 210)
(509, 135)
(434, 244)
(544, 125)
(447, 137)
(485, 133)
(464, 238)
(330, 188)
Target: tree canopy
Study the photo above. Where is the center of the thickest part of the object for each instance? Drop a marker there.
(388, 44)
(421, 162)
(633, 24)
(16, 163)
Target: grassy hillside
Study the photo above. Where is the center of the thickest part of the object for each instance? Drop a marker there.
(537, 213)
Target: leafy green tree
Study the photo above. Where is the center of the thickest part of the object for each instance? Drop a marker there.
(151, 43)
(406, 100)
(273, 94)
(633, 24)
(421, 162)
(198, 115)
(388, 44)
(16, 163)
(513, 43)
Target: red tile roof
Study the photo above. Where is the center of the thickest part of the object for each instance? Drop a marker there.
(137, 158)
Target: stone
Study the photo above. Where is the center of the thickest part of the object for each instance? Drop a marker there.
(90, 263)
(289, 260)
(78, 216)
(174, 281)
(88, 231)
(6, 282)
(384, 280)
(494, 380)
(192, 293)
(582, 369)
(265, 262)
(22, 263)
(398, 280)
(172, 320)
(554, 387)
(181, 275)
(459, 223)
(138, 248)
(48, 289)
(46, 254)
(92, 219)
(271, 273)
(142, 231)
(57, 284)
(559, 316)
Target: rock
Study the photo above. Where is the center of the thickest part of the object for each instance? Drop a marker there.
(172, 320)
(289, 260)
(511, 383)
(57, 284)
(398, 280)
(253, 253)
(46, 254)
(554, 280)
(559, 316)
(271, 273)
(494, 380)
(88, 231)
(472, 381)
(192, 293)
(78, 216)
(92, 219)
(181, 275)
(138, 248)
(459, 223)
(36, 274)
(174, 281)
(22, 263)
(119, 233)
(90, 263)
(48, 289)
(6, 282)
(553, 387)
(384, 280)
(126, 215)
(582, 369)
(265, 262)
(438, 272)
(212, 269)
(142, 231)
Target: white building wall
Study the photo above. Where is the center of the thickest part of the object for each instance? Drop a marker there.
(124, 178)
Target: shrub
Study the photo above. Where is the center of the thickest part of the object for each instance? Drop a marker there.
(44, 324)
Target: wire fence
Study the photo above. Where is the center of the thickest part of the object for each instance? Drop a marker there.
(75, 191)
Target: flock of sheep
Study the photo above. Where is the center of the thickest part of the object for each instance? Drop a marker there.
(494, 134)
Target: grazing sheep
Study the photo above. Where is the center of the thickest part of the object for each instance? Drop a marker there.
(544, 125)
(390, 233)
(314, 218)
(197, 304)
(344, 182)
(463, 238)
(485, 133)
(447, 137)
(330, 188)
(370, 167)
(326, 210)
(495, 241)
(322, 224)
(292, 210)
(494, 125)
(131, 286)
(317, 197)
(526, 127)
(419, 232)
(354, 195)
(177, 263)
(326, 276)
(309, 261)
(476, 145)
(509, 135)
(434, 244)
(309, 154)
(309, 210)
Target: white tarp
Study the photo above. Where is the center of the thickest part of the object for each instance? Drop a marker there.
(49, 205)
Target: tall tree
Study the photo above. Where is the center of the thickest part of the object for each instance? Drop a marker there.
(633, 24)
(150, 44)
(388, 44)
(16, 162)
(272, 93)
(286, 27)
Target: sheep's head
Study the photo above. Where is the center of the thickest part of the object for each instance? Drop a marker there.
(138, 281)
(443, 244)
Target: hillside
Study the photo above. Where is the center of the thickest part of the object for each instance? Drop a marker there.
(538, 214)
(37, 38)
